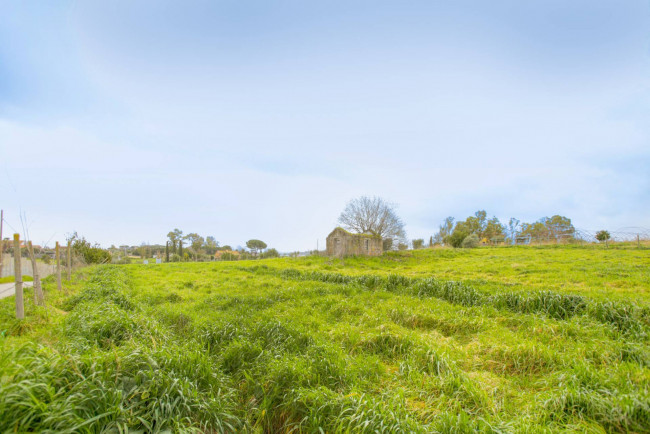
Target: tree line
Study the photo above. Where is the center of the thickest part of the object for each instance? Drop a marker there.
(478, 228)
(194, 247)
(375, 216)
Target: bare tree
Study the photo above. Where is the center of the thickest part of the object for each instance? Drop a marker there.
(513, 229)
(373, 215)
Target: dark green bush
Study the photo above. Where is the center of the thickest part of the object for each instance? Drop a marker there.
(456, 238)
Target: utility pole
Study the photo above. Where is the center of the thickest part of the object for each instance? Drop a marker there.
(20, 307)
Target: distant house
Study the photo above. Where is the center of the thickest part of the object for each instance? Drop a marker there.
(343, 243)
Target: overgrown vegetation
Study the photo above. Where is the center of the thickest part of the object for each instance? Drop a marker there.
(438, 340)
(87, 252)
(492, 231)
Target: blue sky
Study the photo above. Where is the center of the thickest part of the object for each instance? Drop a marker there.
(239, 119)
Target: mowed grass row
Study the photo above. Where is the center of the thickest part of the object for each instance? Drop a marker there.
(276, 348)
(625, 317)
(594, 271)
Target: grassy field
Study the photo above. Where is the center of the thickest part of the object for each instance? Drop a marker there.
(516, 339)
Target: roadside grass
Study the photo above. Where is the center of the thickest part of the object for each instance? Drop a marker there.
(11, 279)
(401, 343)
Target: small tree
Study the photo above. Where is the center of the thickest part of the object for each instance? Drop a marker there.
(418, 244)
(255, 246)
(211, 245)
(603, 236)
(513, 230)
(195, 243)
(444, 231)
(461, 231)
(431, 241)
(174, 237)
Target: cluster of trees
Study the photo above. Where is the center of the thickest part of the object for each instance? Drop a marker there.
(86, 252)
(479, 228)
(373, 215)
(191, 246)
(83, 251)
(194, 247)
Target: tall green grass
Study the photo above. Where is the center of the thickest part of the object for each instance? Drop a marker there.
(626, 317)
(118, 370)
(294, 346)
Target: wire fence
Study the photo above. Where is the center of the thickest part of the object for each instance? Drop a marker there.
(619, 235)
(628, 234)
(44, 269)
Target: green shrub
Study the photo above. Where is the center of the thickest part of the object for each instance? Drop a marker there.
(603, 235)
(90, 254)
(270, 253)
(456, 238)
(470, 242)
(418, 243)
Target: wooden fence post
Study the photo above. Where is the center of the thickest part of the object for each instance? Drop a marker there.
(69, 253)
(58, 266)
(2, 243)
(20, 307)
(38, 290)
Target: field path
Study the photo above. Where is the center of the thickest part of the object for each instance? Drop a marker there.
(8, 289)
